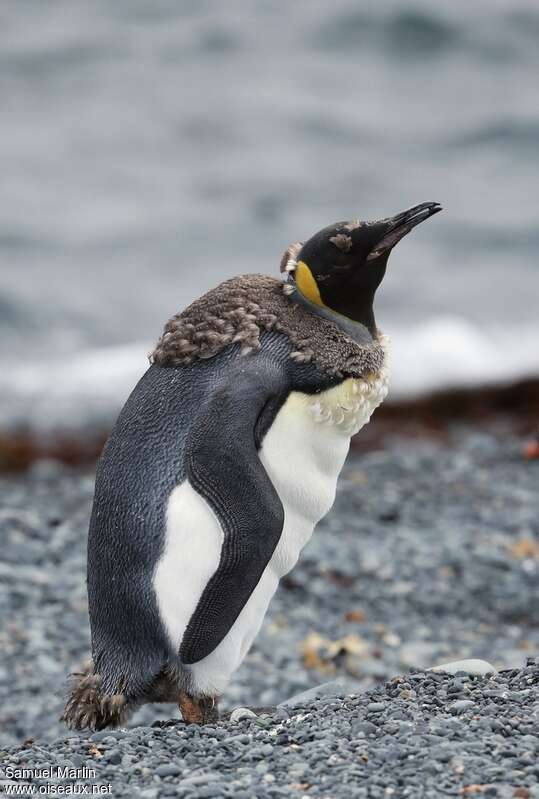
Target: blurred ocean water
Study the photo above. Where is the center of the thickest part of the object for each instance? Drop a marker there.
(150, 150)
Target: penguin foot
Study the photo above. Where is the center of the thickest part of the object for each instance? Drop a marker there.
(87, 707)
(198, 709)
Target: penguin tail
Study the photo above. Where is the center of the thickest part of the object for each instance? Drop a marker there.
(87, 707)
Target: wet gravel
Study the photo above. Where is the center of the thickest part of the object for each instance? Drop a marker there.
(431, 554)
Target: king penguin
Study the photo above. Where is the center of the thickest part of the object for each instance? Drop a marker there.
(222, 461)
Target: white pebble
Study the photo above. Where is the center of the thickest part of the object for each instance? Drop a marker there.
(478, 667)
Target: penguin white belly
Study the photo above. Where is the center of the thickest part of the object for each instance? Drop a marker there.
(303, 454)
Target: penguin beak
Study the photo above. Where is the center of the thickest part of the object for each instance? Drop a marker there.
(399, 225)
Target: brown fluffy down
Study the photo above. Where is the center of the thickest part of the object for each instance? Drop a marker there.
(88, 708)
(240, 309)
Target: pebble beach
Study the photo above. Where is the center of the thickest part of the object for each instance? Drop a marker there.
(430, 555)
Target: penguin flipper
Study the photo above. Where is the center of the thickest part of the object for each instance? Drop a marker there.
(223, 466)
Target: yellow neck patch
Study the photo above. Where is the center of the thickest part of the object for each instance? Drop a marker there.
(307, 284)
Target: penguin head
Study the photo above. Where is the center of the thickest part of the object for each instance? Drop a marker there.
(341, 266)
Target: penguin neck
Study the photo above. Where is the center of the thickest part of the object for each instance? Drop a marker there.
(357, 331)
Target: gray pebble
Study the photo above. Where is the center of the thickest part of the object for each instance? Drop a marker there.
(436, 581)
(460, 706)
(199, 779)
(114, 756)
(168, 770)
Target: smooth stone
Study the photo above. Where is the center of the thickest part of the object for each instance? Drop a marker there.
(240, 713)
(332, 688)
(100, 735)
(168, 770)
(479, 668)
(200, 779)
(282, 713)
(460, 706)
(114, 757)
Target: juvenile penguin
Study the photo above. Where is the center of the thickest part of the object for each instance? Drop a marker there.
(222, 461)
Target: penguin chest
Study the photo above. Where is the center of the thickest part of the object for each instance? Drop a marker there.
(304, 452)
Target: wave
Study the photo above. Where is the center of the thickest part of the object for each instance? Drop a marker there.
(423, 32)
(500, 134)
(409, 31)
(450, 351)
(86, 391)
